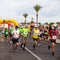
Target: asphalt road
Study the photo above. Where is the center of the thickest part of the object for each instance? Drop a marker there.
(41, 52)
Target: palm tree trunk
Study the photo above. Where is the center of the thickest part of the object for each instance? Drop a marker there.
(25, 20)
(36, 17)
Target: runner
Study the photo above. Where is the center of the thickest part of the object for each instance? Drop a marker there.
(32, 24)
(45, 34)
(35, 36)
(6, 34)
(25, 35)
(21, 34)
(1, 34)
(15, 37)
(41, 35)
(10, 32)
(53, 36)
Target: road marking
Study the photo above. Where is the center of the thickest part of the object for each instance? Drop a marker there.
(33, 54)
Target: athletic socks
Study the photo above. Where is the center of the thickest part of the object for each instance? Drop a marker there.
(48, 47)
(33, 47)
(21, 45)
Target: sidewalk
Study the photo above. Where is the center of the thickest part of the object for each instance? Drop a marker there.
(58, 41)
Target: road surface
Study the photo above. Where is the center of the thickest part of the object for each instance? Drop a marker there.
(41, 52)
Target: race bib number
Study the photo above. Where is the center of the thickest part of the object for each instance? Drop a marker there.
(35, 34)
(54, 37)
(45, 33)
(6, 32)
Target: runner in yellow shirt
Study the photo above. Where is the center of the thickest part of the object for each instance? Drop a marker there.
(35, 36)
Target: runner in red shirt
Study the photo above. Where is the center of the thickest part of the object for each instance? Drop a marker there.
(53, 36)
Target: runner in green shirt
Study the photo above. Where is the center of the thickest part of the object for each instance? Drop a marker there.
(25, 32)
(20, 30)
(6, 33)
(11, 29)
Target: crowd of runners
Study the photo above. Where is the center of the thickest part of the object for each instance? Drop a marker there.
(35, 31)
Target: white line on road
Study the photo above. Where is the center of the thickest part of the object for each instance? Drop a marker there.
(33, 54)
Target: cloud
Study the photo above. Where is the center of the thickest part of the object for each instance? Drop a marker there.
(16, 8)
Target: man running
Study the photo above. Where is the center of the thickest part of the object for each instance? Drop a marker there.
(25, 32)
(15, 37)
(53, 36)
(35, 36)
(6, 34)
(32, 24)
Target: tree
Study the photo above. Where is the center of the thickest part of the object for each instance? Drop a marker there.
(47, 23)
(37, 8)
(51, 23)
(25, 16)
(32, 19)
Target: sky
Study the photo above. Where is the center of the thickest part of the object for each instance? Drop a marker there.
(14, 9)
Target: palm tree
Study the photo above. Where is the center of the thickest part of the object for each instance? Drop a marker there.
(37, 8)
(32, 18)
(25, 16)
